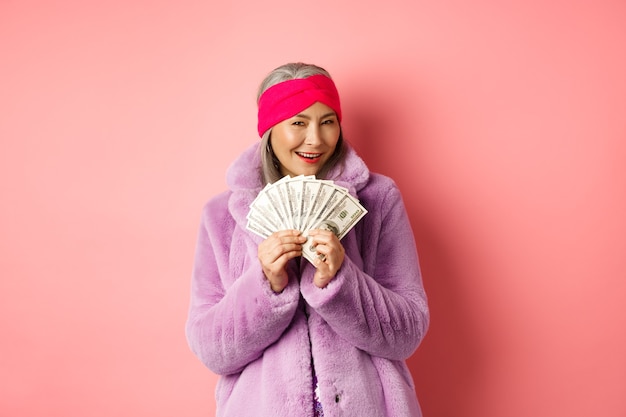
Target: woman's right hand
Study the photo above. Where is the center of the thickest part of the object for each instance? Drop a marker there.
(274, 253)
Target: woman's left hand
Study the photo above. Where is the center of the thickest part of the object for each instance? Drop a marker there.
(331, 257)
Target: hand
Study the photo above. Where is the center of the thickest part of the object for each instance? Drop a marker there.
(331, 257)
(274, 253)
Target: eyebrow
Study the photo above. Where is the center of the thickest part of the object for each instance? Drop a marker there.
(304, 116)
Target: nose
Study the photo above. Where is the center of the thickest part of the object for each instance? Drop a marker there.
(313, 135)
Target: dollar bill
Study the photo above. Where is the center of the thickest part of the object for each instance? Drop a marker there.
(262, 209)
(274, 196)
(340, 220)
(304, 203)
(310, 188)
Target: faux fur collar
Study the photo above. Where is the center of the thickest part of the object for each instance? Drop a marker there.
(244, 179)
(244, 172)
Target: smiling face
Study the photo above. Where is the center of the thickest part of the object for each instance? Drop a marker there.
(304, 142)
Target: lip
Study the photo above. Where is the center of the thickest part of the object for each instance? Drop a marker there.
(309, 157)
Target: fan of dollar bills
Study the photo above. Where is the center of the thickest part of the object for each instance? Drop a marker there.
(304, 203)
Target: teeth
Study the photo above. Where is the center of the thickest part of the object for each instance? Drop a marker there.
(309, 155)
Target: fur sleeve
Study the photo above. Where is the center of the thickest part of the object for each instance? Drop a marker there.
(377, 301)
(234, 315)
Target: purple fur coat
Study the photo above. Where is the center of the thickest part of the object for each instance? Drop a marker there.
(358, 330)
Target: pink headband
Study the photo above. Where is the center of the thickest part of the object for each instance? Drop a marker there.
(286, 99)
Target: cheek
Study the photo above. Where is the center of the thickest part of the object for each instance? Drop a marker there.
(289, 138)
(333, 137)
(280, 141)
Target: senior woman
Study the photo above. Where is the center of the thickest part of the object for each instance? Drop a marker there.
(290, 337)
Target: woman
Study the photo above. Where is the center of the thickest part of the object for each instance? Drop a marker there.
(292, 338)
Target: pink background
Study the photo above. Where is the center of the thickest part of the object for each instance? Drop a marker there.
(504, 124)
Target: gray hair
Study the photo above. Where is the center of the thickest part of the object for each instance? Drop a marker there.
(270, 166)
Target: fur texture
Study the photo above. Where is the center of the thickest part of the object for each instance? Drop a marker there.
(359, 329)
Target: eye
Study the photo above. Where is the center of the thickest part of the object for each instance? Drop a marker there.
(297, 123)
(328, 122)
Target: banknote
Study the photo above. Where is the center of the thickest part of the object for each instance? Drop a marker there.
(304, 203)
(343, 215)
(263, 210)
